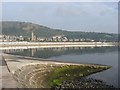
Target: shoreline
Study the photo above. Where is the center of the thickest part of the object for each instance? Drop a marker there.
(51, 60)
(27, 45)
(16, 63)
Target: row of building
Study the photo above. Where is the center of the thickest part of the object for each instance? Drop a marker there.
(56, 38)
(6, 38)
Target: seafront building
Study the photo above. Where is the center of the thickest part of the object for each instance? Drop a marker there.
(6, 38)
(34, 38)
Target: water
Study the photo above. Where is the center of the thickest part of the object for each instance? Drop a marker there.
(102, 55)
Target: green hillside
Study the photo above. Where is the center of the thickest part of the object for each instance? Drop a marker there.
(25, 28)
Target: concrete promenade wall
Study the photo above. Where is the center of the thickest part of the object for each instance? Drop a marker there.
(25, 45)
(51, 43)
(29, 72)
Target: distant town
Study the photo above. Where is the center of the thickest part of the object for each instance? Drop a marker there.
(34, 38)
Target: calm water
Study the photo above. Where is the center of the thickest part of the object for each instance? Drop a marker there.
(102, 55)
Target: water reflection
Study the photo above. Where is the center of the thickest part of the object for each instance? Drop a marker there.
(97, 55)
(53, 52)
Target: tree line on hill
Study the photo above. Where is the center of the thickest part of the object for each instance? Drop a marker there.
(25, 29)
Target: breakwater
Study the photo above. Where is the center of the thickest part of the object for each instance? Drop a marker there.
(26, 45)
(31, 72)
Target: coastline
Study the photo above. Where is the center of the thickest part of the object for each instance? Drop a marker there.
(26, 45)
(17, 63)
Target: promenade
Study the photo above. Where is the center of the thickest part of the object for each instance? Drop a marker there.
(6, 78)
(26, 45)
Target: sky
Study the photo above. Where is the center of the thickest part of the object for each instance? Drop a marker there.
(70, 16)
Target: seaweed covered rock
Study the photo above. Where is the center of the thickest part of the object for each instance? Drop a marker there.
(56, 75)
(84, 83)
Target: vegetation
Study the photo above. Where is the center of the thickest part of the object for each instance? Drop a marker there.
(59, 76)
(71, 72)
(25, 28)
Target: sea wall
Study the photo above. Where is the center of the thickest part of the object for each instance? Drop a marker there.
(38, 73)
(25, 45)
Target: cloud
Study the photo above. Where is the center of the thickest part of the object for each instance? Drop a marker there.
(69, 10)
(32, 8)
(69, 16)
(109, 9)
(85, 9)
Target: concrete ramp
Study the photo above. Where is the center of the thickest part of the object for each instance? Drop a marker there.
(17, 68)
(28, 72)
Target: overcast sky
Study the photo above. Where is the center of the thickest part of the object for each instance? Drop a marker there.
(79, 16)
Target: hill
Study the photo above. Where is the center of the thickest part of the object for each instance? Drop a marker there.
(25, 28)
